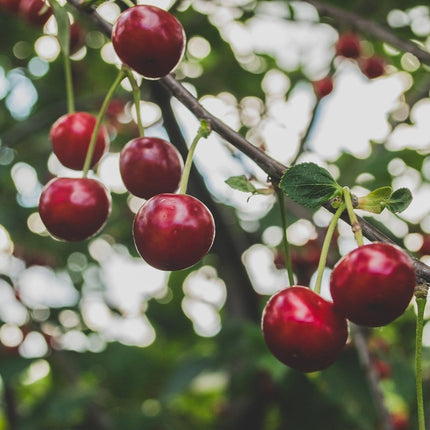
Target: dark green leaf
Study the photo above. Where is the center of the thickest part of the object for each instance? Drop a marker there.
(63, 25)
(309, 184)
(399, 200)
(241, 183)
(376, 201)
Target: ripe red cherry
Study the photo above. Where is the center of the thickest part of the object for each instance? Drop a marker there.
(373, 284)
(148, 39)
(70, 137)
(77, 37)
(30, 10)
(173, 231)
(348, 45)
(373, 67)
(150, 166)
(74, 209)
(303, 330)
(10, 5)
(323, 87)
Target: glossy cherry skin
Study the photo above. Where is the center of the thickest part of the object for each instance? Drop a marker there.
(373, 67)
(74, 209)
(323, 87)
(173, 231)
(10, 5)
(348, 45)
(148, 39)
(303, 330)
(70, 137)
(30, 10)
(373, 284)
(150, 166)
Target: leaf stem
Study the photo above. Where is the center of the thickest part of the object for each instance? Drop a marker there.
(136, 97)
(203, 131)
(421, 303)
(355, 225)
(100, 116)
(326, 246)
(285, 243)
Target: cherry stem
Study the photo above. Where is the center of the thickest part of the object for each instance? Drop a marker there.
(285, 243)
(128, 3)
(421, 303)
(99, 120)
(326, 246)
(355, 225)
(136, 96)
(69, 83)
(203, 131)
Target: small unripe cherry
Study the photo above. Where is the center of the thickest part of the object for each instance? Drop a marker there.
(323, 87)
(373, 67)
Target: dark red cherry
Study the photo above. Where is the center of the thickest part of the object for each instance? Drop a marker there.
(323, 87)
(31, 11)
(74, 209)
(10, 5)
(148, 39)
(70, 137)
(173, 231)
(373, 284)
(373, 67)
(348, 45)
(303, 330)
(150, 166)
(77, 37)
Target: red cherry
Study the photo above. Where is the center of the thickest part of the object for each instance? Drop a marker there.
(10, 5)
(348, 45)
(373, 284)
(74, 209)
(323, 87)
(400, 421)
(382, 368)
(70, 137)
(303, 330)
(373, 67)
(173, 231)
(30, 10)
(150, 166)
(77, 37)
(148, 39)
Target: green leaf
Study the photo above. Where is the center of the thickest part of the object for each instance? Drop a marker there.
(241, 183)
(376, 201)
(309, 185)
(63, 25)
(399, 200)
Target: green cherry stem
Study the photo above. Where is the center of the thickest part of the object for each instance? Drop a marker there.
(421, 298)
(128, 3)
(285, 243)
(355, 225)
(99, 120)
(69, 83)
(203, 131)
(326, 246)
(136, 97)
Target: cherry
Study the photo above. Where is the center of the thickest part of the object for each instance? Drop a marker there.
(150, 166)
(77, 37)
(303, 330)
(173, 231)
(148, 39)
(373, 284)
(348, 45)
(74, 209)
(70, 137)
(10, 5)
(373, 67)
(323, 87)
(31, 11)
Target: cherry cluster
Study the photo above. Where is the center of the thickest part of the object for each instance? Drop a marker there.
(370, 286)
(172, 231)
(348, 46)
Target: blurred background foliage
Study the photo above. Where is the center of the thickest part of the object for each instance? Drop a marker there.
(91, 337)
